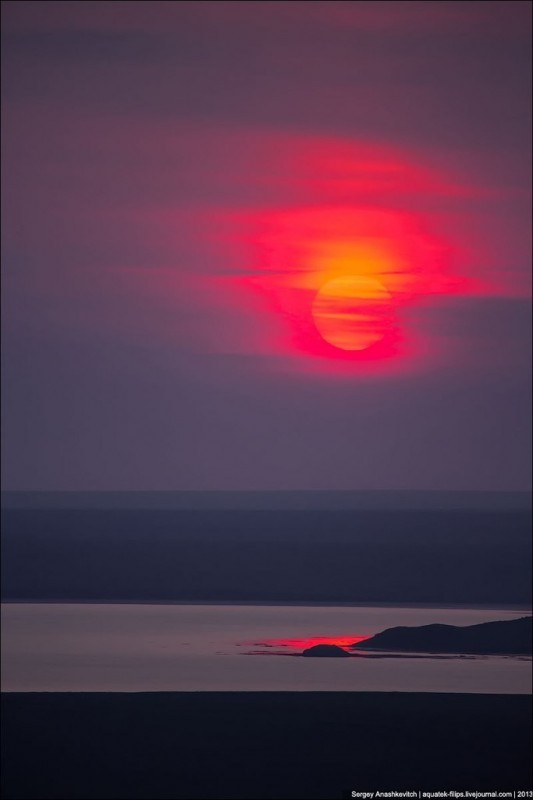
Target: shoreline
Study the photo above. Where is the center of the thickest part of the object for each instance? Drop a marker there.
(253, 692)
(507, 607)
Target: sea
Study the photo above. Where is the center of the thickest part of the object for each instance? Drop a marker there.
(162, 647)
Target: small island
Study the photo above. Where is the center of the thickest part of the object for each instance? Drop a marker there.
(325, 651)
(508, 637)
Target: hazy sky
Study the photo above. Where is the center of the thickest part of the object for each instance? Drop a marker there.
(180, 181)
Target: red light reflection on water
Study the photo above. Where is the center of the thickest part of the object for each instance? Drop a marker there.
(311, 641)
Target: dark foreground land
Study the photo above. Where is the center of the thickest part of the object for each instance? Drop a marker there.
(261, 745)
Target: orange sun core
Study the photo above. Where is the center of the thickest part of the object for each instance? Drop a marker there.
(352, 312)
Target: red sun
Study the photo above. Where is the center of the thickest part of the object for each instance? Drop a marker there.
(352, 312)
(333, 282)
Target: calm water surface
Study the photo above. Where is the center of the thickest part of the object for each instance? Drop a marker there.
(134, 648)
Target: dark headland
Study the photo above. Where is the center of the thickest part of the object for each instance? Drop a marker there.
(259, 746)
(506, 637)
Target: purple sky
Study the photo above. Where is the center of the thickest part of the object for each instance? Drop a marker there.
(172, 173)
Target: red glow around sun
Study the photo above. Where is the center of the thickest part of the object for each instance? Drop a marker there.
(332, 282)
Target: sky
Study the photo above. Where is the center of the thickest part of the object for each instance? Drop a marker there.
(262, 246)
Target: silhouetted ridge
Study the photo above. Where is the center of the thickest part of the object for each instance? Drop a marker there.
(510, 637)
